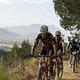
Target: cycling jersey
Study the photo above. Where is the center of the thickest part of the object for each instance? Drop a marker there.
(73, 46)
(59, 49)
(46, 40)
(58, 44)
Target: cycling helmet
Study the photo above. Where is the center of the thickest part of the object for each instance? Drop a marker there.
(72, 38)
(44, 28)
(57, 33)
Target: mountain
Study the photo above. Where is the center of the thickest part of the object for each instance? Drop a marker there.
(8, 35)
(24, 30)
(31, 31)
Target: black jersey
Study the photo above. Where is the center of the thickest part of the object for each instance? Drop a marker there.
(47, 40)
(58, 43)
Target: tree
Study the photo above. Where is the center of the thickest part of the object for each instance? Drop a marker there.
(25, 49)
(14, 51)
(13, 55)
(69, 12)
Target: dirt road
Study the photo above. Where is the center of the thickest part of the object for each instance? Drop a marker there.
(68, 74)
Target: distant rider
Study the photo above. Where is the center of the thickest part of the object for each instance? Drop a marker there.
(73, 47)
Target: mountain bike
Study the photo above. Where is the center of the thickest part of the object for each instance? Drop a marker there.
(46, 70)
(74, 60)
(59, 67)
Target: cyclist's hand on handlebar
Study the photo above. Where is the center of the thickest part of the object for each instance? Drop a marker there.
(34, 55)
(63, 53)
(68, 51)
(59, 53)
(77, 51)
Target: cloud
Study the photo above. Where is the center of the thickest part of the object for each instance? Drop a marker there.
(37, 1)
(7, 1)
(25, 1)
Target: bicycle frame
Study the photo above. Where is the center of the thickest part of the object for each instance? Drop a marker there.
(44, 71)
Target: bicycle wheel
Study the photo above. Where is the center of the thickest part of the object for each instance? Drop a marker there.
(43, 73)
(39, 74)
(73, 64)
(52, 74)
(60, 71)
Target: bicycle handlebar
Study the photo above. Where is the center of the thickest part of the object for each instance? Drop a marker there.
(50, 56)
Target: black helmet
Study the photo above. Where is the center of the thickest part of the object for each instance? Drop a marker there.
(44, 28)
(58, 33)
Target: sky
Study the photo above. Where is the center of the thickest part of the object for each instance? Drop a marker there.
(26, 12)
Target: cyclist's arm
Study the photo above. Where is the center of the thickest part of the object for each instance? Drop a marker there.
(54, 47)
(79, 46)
(35, 44)
(55, 50)
(69, 48)
(63, 46)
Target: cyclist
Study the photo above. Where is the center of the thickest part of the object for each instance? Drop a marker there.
(79, 51)
(47, 41)
(59, 49)
(73, 47)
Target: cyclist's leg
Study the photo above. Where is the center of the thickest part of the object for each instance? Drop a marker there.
(73, 64)
(76, 60)
(70, 60)
(59, 70)
(52, 64)
(54, 69)
(43, 71)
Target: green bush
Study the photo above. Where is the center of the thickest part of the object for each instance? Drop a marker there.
(3, 72)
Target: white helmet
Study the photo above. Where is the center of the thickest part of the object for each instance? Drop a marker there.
(58, 33)
(44, 28)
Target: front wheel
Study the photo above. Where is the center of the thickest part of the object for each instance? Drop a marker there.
(60, 71)
(74, 63)
(43, 73)
(39, 74)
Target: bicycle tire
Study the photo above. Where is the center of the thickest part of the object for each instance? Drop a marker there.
(60, 71)
(74, 63)
(41, 76)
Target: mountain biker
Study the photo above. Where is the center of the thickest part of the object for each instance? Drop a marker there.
(79, 51)
(47, 41)
(73, 47)
(59, 50)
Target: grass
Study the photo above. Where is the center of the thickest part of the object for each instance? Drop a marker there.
(3, 72)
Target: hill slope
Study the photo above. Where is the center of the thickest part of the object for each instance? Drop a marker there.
(8, 35)
(31, 31)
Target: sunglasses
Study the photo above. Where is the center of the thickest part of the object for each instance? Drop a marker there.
(57, 35)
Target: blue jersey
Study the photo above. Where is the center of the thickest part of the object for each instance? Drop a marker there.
(73, 46)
